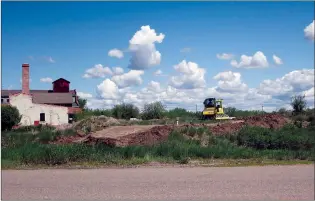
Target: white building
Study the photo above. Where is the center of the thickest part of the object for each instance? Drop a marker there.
(40, 113)
(53, 107)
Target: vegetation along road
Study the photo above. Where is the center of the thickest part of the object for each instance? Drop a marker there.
(255, 182)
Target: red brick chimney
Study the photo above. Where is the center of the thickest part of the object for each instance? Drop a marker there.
(26, 78)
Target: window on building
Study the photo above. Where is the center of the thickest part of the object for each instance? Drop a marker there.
(8, 100)
(73, 99)
(42, 117)
(1, 100)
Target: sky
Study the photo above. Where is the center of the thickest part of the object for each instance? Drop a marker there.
(250, 54)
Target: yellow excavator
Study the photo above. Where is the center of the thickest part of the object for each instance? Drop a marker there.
(213, 109)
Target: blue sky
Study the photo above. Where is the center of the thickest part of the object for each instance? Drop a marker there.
(77, 36)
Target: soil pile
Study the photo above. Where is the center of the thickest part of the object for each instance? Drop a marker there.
(272, 121)
(148, 137)
(94, 123)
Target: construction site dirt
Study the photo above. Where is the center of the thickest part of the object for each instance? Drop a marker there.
(151, 134)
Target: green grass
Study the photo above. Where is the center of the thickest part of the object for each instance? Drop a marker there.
(289, 143)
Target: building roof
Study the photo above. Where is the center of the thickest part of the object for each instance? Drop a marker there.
(61, 79)
(10, 92)
(52, 98)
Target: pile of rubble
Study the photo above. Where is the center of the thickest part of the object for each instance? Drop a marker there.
(94, 123)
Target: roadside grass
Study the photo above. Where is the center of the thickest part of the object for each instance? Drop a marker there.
(183, 146)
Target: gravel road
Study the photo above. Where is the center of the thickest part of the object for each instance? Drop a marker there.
(198, 183)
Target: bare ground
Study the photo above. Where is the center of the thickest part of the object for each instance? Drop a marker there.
(151, 134)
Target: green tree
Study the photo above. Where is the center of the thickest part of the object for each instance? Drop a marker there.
(125, 111)
(298, 104)
(154, 110)
(82, 103)
(10, 117)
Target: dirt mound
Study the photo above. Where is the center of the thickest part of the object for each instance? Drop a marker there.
(273, 121)
(147, 137)
(266, 121)
(94, 123)
(226, 128)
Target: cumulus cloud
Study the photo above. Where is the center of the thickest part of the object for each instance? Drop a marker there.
(225, 56)
(154, 86)
(98, 71)
(191, 76)
(133, 77)
(108, 90)
(46, 79)
(118, 70)
(277, 60)
(309, 31)
(116, 53)
(259, 60)
(230, 82)
(84, 95)
(291, 83)
(143, 51)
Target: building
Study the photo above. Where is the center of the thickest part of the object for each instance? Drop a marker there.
(54, 107)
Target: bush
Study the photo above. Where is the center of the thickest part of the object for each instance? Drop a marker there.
(233, 112)
(125, 111)
(154, 110)
(289, 137)
(10, 117)
(298, 104)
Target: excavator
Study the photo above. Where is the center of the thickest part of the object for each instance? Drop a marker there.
(213, 109)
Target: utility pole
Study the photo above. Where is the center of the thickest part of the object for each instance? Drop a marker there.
(196, 108)
(262, 108)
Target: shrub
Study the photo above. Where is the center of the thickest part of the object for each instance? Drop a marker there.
(125, 111)
(154, 110)
(10, 117)
(289, 137)
(298, 104)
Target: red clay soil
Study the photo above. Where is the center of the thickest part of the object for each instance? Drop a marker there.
(157, 134)
(148, 137)
(272, 121)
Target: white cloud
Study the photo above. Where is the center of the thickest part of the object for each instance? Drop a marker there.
(185, 50)
(277, 60)
(133, 77)
(50, 59)
(158, 72)
(230, 82)
(225, 56)
(154, 86)
(142, 48)
(309, 31)
(259, 60)
(309, 93)
(116, 53)
(191, 76)
(98, 71)
(46, 79)
(84, 95)
(108, 90)
(118, 70)
(288, 85)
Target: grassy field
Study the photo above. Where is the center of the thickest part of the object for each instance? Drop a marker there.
(252, 145)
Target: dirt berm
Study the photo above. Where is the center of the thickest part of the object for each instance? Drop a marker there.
(101, 131)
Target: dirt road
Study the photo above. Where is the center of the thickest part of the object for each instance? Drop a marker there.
(269, 182)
